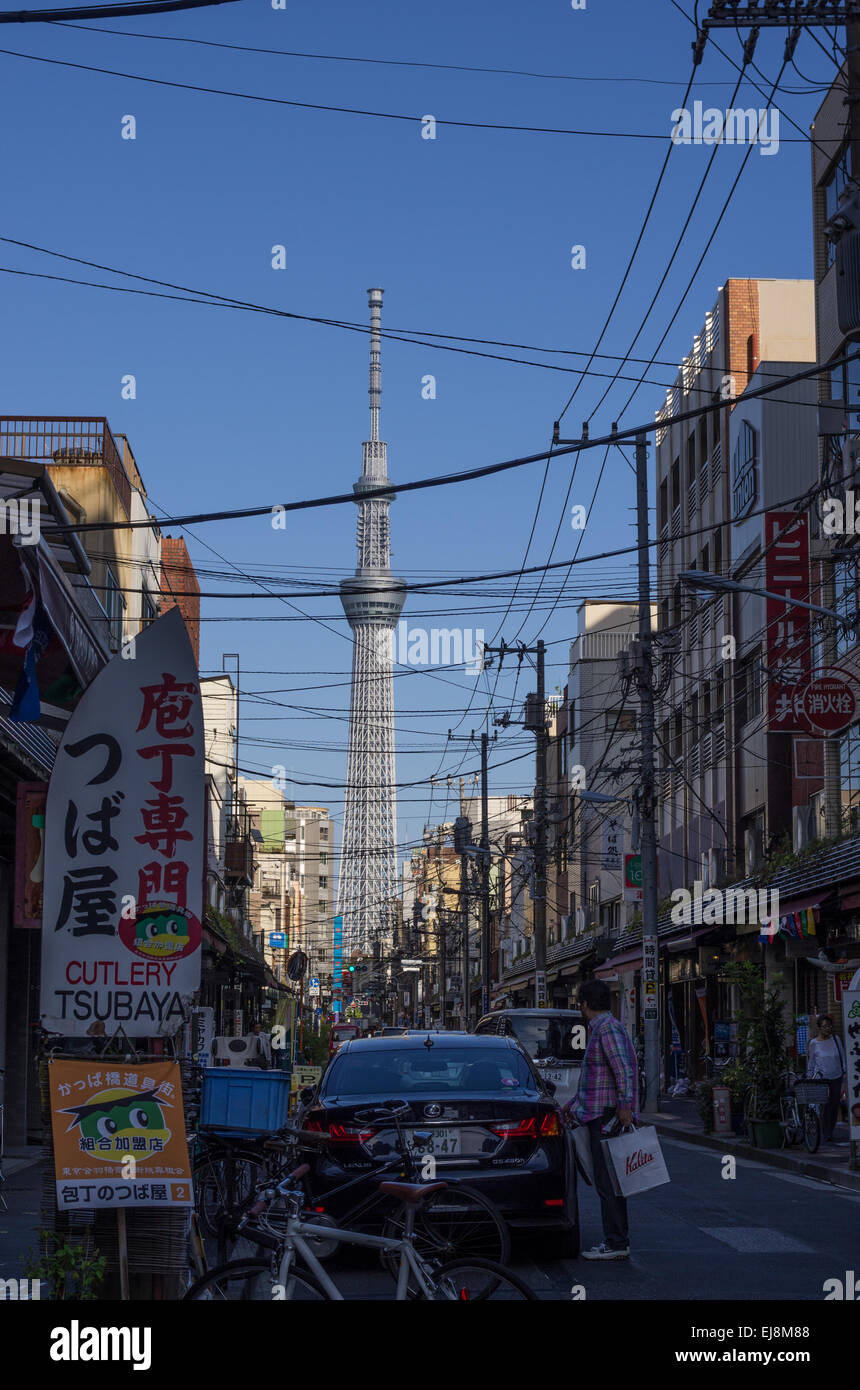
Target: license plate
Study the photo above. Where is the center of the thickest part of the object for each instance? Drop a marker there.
(439, 1142)
(560, 1078)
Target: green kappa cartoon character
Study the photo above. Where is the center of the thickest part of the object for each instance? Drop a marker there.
(120, 1116)
(161, 931)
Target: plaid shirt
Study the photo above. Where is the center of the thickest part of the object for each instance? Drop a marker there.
(608, 1075)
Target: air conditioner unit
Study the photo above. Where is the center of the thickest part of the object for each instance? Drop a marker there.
(753, 850)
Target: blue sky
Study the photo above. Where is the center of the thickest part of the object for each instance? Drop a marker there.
(468, 234)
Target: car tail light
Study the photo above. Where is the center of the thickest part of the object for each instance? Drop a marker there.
(314, 1125)
(342, 1134)
(549, 1126)
(553, 1202)
(524, 1129)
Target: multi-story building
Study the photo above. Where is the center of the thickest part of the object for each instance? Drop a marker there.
(754, 323)
(602, 763)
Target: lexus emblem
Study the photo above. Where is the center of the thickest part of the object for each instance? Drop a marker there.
(432, 1111)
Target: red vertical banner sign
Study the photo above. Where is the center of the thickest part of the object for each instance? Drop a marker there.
(789, 648)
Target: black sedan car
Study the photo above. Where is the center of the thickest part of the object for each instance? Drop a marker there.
(476, 1104)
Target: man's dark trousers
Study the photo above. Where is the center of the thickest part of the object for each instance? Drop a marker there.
(613, 1209)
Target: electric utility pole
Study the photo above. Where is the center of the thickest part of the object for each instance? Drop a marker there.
(536, 721)
(643, 670)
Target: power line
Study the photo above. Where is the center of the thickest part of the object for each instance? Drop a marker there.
(342, 110)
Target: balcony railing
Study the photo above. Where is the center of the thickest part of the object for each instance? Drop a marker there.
(239, 859)
(81, 441)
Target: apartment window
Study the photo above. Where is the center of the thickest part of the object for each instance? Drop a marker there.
(833, 188)
(323, 832)
(677, 735)
(849, 760)
(664, 615)
(846, 577)
(717, 547)
(676, 484)
(148, 610)
(323, 881)
(748, 693)
(321, 953)
(322, 907)
(691, 459)
(113, 607)
(620, 721)
(716, 417)
(704, 562)
(663, 501)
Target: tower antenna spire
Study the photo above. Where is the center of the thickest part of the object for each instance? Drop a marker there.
(375, 300)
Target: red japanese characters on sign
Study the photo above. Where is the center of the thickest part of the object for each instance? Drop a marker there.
(789, 649)
(124, 847)
(827, 702)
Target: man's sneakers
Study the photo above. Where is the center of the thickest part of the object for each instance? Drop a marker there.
(605, 1252)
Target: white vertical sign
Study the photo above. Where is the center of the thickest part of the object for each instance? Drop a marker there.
(612, 855)
(124, 834)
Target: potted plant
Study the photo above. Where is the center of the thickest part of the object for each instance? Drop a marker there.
(738, 1079)
(762, 1048)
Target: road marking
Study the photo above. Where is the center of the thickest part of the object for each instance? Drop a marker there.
(758, 1240)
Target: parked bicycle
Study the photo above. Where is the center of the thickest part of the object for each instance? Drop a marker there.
(800, 1111)
(293, 1272)
(456, 1220)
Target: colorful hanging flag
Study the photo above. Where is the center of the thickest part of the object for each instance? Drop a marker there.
(33, 631)
(807, 921)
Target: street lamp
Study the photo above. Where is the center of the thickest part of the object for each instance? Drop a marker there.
(700, 579)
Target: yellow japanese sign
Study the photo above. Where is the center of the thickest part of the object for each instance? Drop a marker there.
(119, 1134)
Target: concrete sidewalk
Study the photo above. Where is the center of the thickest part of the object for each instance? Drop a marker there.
(680, 1119)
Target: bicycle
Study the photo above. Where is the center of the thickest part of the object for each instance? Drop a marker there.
(278, 1278)
(225, 1174)
(799, 1111)
(458, 1220)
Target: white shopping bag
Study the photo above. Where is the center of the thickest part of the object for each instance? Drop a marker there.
(635, 1161)
(579, 1141)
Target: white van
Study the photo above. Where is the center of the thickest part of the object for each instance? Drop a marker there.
(554, 1039)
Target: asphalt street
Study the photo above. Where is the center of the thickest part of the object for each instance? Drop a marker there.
(765, 1234)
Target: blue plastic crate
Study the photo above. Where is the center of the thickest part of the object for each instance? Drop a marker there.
(244, 1100)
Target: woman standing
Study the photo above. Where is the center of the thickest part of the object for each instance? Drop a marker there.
(826, 1060)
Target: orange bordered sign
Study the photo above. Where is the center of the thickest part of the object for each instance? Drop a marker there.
(119, 1134)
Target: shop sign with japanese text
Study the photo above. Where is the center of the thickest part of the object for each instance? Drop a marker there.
(119, 1134)
(124, 847)
(789, 649)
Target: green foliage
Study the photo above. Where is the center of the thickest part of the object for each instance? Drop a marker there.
(738, 1078)
(761, 1035)
(72, 1270)
(704, 1098)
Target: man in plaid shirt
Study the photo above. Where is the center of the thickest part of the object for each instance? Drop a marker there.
(607, 1090)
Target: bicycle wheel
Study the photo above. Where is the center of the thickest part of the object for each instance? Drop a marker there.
(454, 1222)
(791, 1130)
(468, 1280)
(811, 1129)
(252, 1281)
(222, 1183)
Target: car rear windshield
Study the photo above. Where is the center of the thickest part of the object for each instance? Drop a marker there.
(544, 1037)
(437, 1071)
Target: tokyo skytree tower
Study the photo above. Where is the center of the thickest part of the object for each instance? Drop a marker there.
(372, 601)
